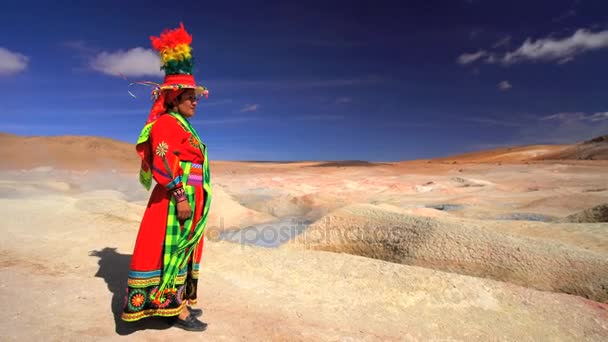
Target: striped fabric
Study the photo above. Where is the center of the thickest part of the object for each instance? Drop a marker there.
(174, 182)
(153, 281)
(173, 256)
(196, 175)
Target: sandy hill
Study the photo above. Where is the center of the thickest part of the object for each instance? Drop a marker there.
(505, 154)
(74, 152)
(70, 152)
(593, 149)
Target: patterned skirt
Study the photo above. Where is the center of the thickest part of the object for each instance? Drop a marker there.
(146, 267)
(143, 286)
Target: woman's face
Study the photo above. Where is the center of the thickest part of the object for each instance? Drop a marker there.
(186, 103)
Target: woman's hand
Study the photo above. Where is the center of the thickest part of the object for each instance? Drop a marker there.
(184, 211)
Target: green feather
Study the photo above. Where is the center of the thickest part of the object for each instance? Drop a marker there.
(179, 67)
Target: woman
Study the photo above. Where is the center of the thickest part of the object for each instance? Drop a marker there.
(164, 268)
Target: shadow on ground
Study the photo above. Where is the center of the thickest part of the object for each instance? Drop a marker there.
(114, 268)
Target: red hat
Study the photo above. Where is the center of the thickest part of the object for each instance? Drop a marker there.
(177, 62)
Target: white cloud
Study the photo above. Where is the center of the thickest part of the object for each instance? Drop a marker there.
(12, 62)
(491, 58)
(563, 117)
(503, 42)
(569, 117)
(250, 108)
(560, 50)
(134, 62)
(468, 58)
(598, 117)
(504, 85)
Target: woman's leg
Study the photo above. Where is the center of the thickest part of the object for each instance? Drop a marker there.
(184, 313)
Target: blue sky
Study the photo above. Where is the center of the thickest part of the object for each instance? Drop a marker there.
(318, 80)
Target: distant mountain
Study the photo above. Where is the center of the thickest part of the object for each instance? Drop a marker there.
(95, 153)
(70, 152)
(593, 149)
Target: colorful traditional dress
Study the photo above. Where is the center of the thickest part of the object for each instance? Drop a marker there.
(164, 269)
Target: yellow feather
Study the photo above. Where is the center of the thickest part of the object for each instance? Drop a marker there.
(180, 52)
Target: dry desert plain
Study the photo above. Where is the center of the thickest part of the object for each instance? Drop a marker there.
(509, 244)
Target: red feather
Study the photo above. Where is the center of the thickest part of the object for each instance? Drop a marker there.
(171, 38)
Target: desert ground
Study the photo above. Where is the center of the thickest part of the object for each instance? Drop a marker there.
(503, 245)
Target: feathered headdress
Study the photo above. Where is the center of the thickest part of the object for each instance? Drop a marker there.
(175, 53)
(174, 49)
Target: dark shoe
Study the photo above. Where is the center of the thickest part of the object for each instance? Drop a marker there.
(190, 324)
(195, 312)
